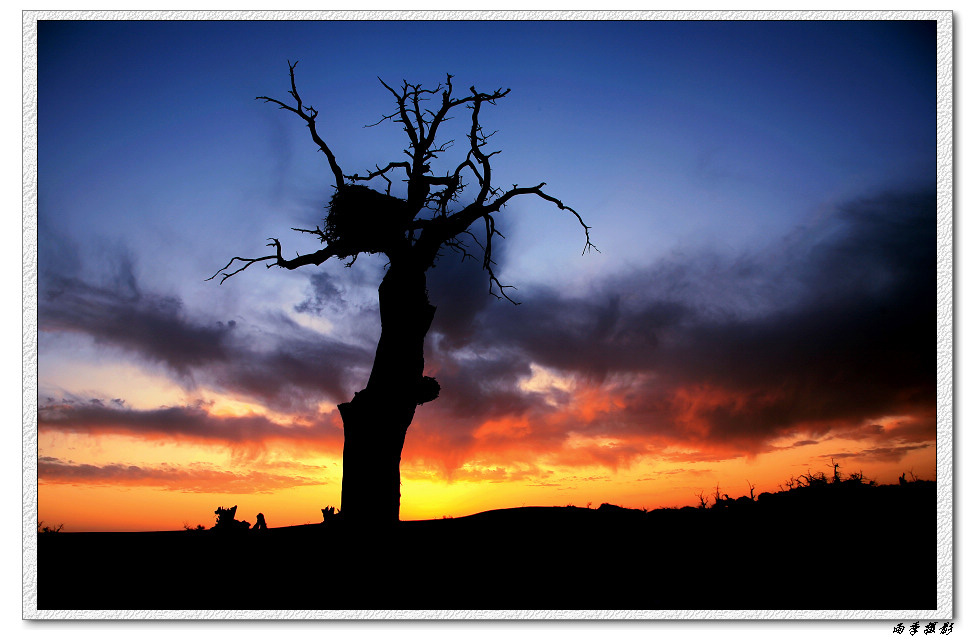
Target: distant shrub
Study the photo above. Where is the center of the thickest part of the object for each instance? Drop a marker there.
(811, 479)
(914, 479)
(858, 479)
(42, 528)
(721, 500)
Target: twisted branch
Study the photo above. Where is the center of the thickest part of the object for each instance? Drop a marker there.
(315, 258)
(308, 114)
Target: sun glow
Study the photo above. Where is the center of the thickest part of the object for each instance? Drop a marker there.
(546, 381)
(223, 406)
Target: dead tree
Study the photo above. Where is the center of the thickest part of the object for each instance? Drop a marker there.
(410, 231)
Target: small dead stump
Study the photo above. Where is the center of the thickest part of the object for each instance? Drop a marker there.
(226, 521)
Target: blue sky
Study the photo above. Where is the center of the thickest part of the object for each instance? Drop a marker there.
(691, 133)
(761, 193)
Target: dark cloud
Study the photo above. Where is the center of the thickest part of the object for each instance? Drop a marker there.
(324, 293)
(833, 326)
(299, 368)
(119, 314)
(349, 295)
(196, 478)
(291, 369)
(459, 288)
(483, 386)
(185, 424)
(878, 454)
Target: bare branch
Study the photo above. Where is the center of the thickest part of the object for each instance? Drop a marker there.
(501, 287)
(308, 114)
(537, 190)
(458, 246)
(484, 161)
(246, 262)
(416, 113)
(317, 231)
(315, 258)
(380, 121)
(401, 103)
(380, 172)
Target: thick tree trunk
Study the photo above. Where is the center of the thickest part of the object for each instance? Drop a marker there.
(377, 418)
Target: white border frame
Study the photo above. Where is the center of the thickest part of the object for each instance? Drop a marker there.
(945, 297)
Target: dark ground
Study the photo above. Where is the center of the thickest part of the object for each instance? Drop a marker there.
(834, 546)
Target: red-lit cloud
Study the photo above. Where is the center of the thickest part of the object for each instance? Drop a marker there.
(186, 424)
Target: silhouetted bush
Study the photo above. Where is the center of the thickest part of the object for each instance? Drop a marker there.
(42, 528)
(811, 479)
(812, 490)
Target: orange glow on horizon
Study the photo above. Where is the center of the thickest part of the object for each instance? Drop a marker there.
(647, 483)
(102, 481)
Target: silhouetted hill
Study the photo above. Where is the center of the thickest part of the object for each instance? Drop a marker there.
(829, 546)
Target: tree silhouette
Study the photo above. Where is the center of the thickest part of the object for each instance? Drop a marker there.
(411, 232)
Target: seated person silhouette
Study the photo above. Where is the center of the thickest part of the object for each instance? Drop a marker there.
(260, 524)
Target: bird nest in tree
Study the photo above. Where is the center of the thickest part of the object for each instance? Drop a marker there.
(361, 220)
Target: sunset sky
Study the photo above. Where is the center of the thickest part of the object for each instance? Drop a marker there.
(762, 195)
